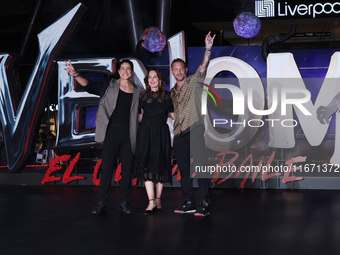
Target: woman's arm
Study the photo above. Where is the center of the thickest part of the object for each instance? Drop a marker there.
(140, 116)
(97, 88)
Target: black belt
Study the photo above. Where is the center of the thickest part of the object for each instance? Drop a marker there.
(182, 133)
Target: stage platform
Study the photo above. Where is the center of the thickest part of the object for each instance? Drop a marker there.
(57, 220)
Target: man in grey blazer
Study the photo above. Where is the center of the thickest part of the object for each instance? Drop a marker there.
(116, 127)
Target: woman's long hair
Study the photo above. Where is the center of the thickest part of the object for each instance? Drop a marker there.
(161, 90)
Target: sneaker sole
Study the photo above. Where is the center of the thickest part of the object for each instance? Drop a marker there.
(98, 213)
(125, 212)
(181, 212)
(201, 215)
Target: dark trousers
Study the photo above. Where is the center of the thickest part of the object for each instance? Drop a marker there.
(183, 156)
(116, 143)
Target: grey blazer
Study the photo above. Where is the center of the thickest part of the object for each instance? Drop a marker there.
(108, 104)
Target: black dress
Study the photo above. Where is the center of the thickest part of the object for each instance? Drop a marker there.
(153, 149)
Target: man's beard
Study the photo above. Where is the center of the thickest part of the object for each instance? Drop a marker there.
(177, 79)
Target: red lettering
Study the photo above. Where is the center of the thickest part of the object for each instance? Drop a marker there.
(118, 175)
(245, 169)
(289, 163)
(53, 167)
(178, 176)
(257, 170)
(265, 175)
(96, 181)
(230, 162)
(242, 168)
(67, 178)
(174, 170)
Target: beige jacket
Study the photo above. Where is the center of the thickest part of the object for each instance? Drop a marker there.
(108, 104)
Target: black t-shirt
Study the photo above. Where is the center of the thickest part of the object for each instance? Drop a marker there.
(121, 114)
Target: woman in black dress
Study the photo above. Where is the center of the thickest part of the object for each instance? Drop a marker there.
(153, 151)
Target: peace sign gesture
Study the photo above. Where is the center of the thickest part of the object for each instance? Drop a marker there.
(70, 69)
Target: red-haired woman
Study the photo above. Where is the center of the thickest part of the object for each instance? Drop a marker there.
(153, 151)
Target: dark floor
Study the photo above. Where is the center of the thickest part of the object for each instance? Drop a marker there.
(58, 220)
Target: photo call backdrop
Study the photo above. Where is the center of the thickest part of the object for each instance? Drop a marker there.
(68, 154)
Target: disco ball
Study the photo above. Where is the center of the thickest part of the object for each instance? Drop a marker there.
(247, 25)
(154, 39)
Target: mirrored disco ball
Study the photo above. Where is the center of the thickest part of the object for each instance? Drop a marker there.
(247, 25)
(154, 39)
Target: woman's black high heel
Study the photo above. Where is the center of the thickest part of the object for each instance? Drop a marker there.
(153, 210)
(159, 210)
